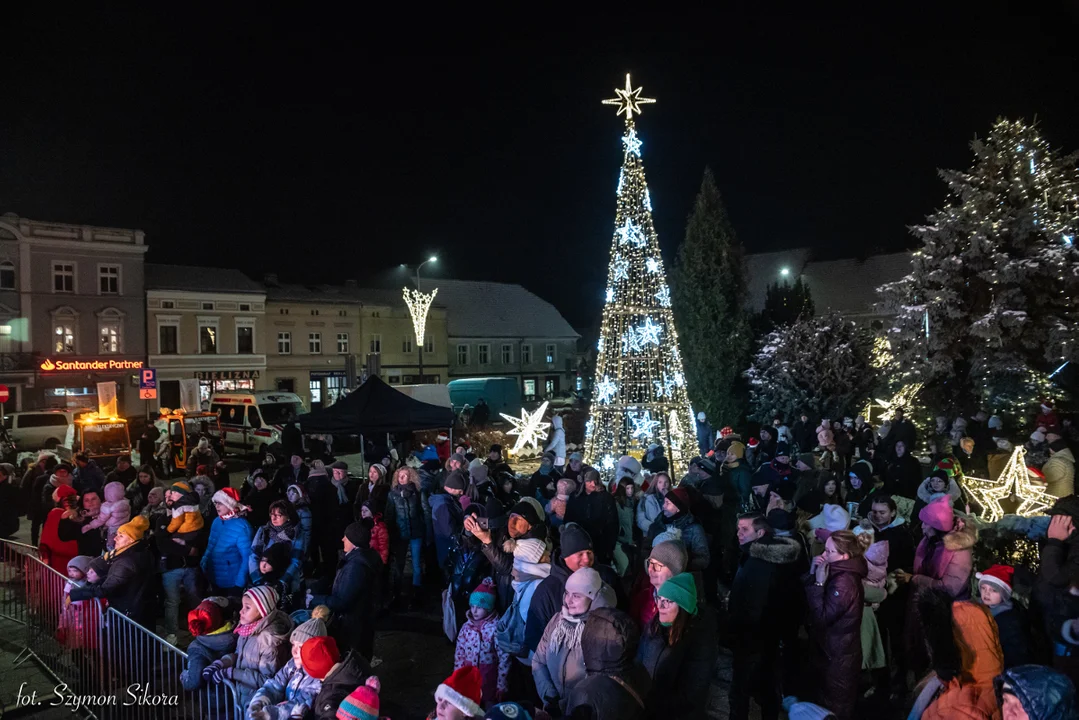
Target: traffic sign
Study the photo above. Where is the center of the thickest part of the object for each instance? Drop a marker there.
(150, 394)
(148, 380)
(4, 393)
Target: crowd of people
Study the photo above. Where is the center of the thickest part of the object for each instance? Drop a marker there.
(834, 566)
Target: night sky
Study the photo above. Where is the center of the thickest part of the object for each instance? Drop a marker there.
(328, 147)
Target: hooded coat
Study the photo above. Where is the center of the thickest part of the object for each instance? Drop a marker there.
(681, 674)
(291, 688)
(1043, 693)
(547, 599)
(204, 650)
(900, 544)
(615, 686)
(352, 599)
(557, 442)
(648, 509)
(946, 564)
(765, 587)
(835, 613)
(225, 560)
(693, 537)
(339, 683)
(259, 655)
(970, 695)
(1059, 472)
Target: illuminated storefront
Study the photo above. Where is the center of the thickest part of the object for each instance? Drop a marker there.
(71, 382)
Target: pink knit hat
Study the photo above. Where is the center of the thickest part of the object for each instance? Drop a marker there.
(939, 514)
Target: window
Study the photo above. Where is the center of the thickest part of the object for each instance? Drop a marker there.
(7, 275)
(550, 353)
(428, 344)
(284, 343)
(484, 353)
(63, 277)
(168, 339)
(507, 354)
(342, 343)
(245, 307)
(548, 387)
(168, 304)
(245, 338)
(342, 313)
(314, 343)
(64, 323)
(283, 311)
(530, 389)
(462, 354)
(406, 345)
(108, 279)
(314, 312)
(526, 354)
(375, 345)
(207, 306)
(110, 331)
(208, 336)
(316, 391)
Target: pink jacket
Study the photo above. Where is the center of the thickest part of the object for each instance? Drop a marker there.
(948, 566)
(476, 646)
(877, 559)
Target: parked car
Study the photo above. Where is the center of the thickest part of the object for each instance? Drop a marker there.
(39, 429)
(564, 399)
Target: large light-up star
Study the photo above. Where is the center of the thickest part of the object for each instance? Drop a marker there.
(629, 100)
(632, 142)
(1015, 478)
(631, 341)
(643, 425)
(652, 264)
(630, 234)
(649, 332)
(663, 297)
(606, 390)
(528, 428)
(620, 266)
(664, 387)
(607, 463)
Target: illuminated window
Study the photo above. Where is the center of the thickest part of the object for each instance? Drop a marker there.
(64, 333)
(551, 356)
(342, 343)
(530, 389)
(110, 324)
(208, 336)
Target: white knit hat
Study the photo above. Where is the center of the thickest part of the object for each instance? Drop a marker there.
(529, 550)
(585, 581)
(831, 518)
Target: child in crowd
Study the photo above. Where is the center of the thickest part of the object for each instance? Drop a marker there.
(995, 589)
(292, 691)
(556, 506)
(461, 692)
(115, 511)
(380, 535)
(186, 516)
(71, 625)
(476, 644)
(362, 703)
(209, 623)
(155, 504)
(261, 634)
(298, 497)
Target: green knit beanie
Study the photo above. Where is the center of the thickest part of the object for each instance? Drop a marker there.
(682, 591)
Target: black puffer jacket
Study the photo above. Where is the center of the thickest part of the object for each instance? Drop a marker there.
(615, 685)
(128, 586)
(342, 679)
(680, 674)
(404, 508)
(766, 588)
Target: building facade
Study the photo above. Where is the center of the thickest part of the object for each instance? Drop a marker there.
(215, 334)
(71, 313)
(498, 329)
(323, 340)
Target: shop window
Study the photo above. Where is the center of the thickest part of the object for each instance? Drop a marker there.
(484, 353)
(63, 277)
(406, 345)
(316, 392)
(342, 343)
(507, 354)
(462, 354)
(335, 388)
(108, 279)
(7, 275)
(314, 343)
(375, 345)
(530, 389)
(284, 343)
(245, 340)
(526, 354)
(549, 387)
(111, 332)
(207, 338)
(580, 383)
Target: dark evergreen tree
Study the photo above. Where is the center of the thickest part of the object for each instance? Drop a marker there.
(708, 296)
(783, 304)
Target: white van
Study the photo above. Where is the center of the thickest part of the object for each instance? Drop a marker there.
(40, 429)
(252, 421)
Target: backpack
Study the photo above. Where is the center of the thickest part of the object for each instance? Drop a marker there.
(510, 631)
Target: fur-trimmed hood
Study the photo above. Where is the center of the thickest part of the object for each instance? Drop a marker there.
(775, 550)
(961, 538)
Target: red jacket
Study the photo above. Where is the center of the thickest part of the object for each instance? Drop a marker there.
(56, 552)
(380, 539)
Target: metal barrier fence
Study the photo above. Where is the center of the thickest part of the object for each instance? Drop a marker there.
(112, 667)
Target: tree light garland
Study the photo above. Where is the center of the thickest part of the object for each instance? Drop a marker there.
(528, 428)
(1014, 480)
(640, 396)
(418, 305)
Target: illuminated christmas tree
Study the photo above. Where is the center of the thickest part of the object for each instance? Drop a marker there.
(639, 394)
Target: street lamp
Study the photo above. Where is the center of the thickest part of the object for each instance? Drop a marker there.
(433, 258)
(785, 272)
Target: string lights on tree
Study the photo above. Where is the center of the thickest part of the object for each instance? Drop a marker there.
(641, 397)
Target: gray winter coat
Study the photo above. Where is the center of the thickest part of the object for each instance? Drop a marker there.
(556, 668)
(259, 656)
(648, 509)
(291, 692)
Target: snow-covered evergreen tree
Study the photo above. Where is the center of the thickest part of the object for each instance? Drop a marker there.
(990, 307)
(819, 364)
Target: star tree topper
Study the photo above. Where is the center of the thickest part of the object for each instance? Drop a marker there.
(528, 428)
(629, 100)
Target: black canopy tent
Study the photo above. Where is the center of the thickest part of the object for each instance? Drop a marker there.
(374, 408)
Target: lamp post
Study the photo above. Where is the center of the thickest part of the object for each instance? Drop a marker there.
(418, 307)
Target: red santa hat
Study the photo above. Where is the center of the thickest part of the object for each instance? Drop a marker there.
(753, 442)
(1000, 576)
(464, 690)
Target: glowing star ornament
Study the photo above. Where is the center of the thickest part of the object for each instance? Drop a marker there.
(606, 389)
(610, 294)
(643, 425)
(620, 268)
(652, 264)
(418, 305)
(630, 234)
(529, 428)
(632, 142)
(663, 297)
(631, 341)
(629, 100)
(1014, 480)
(607, 463)
(647, 201)
(649, 332)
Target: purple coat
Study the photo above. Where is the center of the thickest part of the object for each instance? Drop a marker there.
(835, 614)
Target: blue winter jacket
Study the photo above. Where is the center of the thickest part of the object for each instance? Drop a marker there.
(292, 690)
(1045, 694)
(204, 650)
(268, 535)
(225, 560)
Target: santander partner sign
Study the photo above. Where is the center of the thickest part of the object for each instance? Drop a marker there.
(51, 365)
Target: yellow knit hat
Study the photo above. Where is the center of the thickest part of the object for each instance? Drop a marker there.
(136, 528)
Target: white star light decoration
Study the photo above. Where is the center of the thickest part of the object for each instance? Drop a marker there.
(606, 389)
(647, 201)
(630, 234)
(652, 264)
(631, 341)
(528, 428)
(621, 180)
(629, 100)
(664, 387)
(607, 463)
(610, 294)
(649, 332)
(1015, 479)
(632, 142)
(663, 297)
(643, 425)
(620, 266)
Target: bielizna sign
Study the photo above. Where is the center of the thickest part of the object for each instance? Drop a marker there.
(51, 365)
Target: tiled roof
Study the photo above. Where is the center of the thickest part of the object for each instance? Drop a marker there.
(488, 309)
(192, 278)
